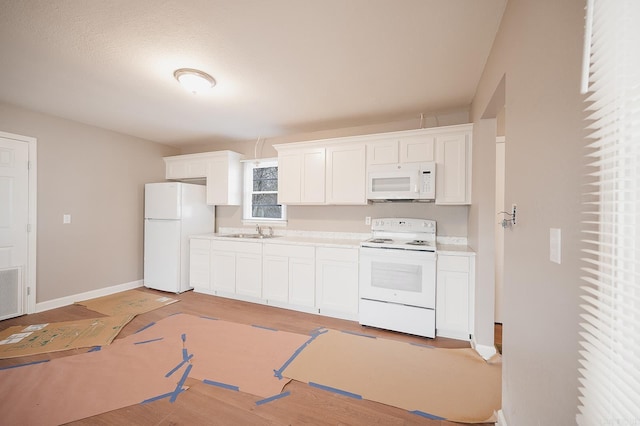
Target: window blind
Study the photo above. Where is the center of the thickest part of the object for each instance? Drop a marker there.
(609, 362)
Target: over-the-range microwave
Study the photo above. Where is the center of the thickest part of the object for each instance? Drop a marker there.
(402, 182)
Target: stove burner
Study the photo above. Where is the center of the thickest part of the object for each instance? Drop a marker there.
(418, 243)
(380, 240)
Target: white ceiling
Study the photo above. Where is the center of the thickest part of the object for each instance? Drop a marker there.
(282, 66)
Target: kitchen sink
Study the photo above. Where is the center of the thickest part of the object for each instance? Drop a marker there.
(253, 236)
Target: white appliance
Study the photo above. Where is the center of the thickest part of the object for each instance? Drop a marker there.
(172, 212)
(402, 182)
(398, 276)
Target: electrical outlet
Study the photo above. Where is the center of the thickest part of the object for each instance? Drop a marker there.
(367, 220)
(66, 218)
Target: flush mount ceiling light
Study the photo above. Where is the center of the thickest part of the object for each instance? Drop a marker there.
(193, 80)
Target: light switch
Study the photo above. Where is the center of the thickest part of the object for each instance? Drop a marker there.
(555, 243)
(66, 218)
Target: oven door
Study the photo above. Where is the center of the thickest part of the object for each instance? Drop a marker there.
(406, 277)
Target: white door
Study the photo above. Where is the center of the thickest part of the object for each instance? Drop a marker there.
(14, 216)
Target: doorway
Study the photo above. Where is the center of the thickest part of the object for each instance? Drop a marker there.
(17, 225)
(499, 229)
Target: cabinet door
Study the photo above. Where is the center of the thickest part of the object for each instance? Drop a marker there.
(289, 178)
(199, 263)
(249, 274)
(302, 282)
(187, 168)
(218, 182)
(453, 183)
(417, 149)
(452, 312)
(275, 278)
(453, 296)
(313, 176)
(223, 271)
(382, 152)
(337, 282)
(346, 175)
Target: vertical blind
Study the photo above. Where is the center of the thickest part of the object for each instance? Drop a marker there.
(609, 365)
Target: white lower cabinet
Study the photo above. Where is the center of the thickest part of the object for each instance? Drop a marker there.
(454, 296)
(199, 263)
(337, 282)
(288, 276)
(236, 269)
(302, 277)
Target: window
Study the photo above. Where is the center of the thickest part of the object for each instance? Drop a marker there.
(261, 192)
(610, 319)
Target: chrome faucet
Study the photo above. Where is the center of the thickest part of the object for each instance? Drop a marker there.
(259, 229)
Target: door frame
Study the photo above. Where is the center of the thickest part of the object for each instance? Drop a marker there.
(30, 270)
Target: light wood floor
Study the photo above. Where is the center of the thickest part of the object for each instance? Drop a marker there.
(207, 405)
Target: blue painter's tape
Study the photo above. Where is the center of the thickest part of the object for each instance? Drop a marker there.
(273, 398)
(426, 415)
(210, 318)
(95, 349)
(184, 337)
(264, 328)
(23, 365)
(314, 335)
(185, 354)
(177, 313)
(177, 367)
(359, 334)
(163, 396)
(220, 385)
(178, 389)
(148, 341)
(145, 327)
(335, 390)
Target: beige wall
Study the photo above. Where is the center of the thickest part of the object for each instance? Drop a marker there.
(451, 220)
(98, 177)
(538, 51)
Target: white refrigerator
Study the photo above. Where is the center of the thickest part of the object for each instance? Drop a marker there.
(172, 212)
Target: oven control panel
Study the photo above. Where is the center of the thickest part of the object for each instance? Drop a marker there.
(404, 225)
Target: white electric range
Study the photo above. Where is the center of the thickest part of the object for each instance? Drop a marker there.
(398, 276)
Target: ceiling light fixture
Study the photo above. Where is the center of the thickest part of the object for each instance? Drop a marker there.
(193, 80)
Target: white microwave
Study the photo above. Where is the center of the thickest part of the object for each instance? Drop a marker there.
(402, 182)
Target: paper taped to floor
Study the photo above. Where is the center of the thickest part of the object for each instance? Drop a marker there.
(453, 384)
(155, 363)
(23, 340)
(132, 302)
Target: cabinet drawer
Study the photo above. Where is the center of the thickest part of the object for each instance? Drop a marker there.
(453, 263)
(339, 254)
(197, 243)
(236, 246)
(305, 252)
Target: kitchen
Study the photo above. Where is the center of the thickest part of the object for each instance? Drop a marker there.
(84, 170)
(388, 167)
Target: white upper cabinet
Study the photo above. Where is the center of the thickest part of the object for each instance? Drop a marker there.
(401, 149)
(221, 169)
(334, 171)
(346, 174)
(224, 180)
(453, 168)
(301, 176)
(416, 149)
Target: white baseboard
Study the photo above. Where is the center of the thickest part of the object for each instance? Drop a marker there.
(70, 300)
(501, 420)
(485, 351)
